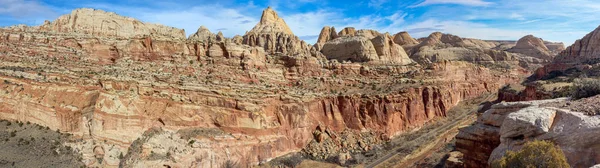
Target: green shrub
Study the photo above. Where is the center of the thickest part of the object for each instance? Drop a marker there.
(533, 154)
(586, 87)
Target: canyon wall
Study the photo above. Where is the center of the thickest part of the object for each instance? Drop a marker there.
(156, 98)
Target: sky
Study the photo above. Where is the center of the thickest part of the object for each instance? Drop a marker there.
(552, 20)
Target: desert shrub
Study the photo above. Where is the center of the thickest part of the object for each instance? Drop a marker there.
(583, 88)
(533, 154)
(230, 164)
(293, 160)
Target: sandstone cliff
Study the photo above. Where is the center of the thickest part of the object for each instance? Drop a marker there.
(107, 24)
(439, 47)
(584, 49)
(403, 38)
(362, 46)
(273, 34)
(241, 99)
(533, 46)
(583, 52)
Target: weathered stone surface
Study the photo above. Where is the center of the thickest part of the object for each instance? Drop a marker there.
(446, 47)
(532, 46)
(347, 31)
(107, 24)
(327, 34)
(273, 34)
(582, 50)
(236, 102)
(509, 125)
(203, 35)
(366, 46)
(355, 49)
(403, 38)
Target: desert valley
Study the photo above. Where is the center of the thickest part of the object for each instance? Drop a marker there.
(96, 89)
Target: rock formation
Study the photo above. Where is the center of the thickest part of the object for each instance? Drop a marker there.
(532, 46)
(273, 34)
(108, 24)
(584, 49)
(156, 97)
(446, 47)
(347, 31)
(403, 38)
(327, 34)
(362, 46)
(203, 34)
(508, 125)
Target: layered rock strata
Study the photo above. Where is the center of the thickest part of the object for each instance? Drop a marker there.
(214, 101)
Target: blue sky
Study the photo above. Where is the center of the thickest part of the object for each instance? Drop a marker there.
(553, 20)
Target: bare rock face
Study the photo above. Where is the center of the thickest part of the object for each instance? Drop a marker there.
(532, 46)
(388, 51)
(348, 31)
(273, 34)
(107, 24)
(403, 38)
(204, 35)
(355, 49)
(507, 126)
(555, 47)
(366, 46)
(584, 49)
(446, 47)
(327, 34)
(196, 103)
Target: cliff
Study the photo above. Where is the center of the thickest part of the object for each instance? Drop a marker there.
(209, 99)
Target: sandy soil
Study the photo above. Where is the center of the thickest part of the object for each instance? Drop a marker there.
(31, 145)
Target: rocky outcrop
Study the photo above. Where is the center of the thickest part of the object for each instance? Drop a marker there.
(274, 36)
(403, 38)
(507, 126)
(107, 24)
(584, 49)
(347, 31)
(555, 47)
(365, 46)
(581, 54)
(534, 47)
(199, 102)
(446, 47)
(327, 34)
(203, 35)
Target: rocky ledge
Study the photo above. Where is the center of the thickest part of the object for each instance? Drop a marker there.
(507, 126)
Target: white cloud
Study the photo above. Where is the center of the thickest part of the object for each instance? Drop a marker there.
(377, 3)
(21, 8)
(463, 29)
(308, 25)
(459, 2)
(26, 12)
(230, 21)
